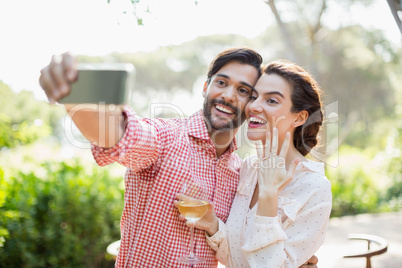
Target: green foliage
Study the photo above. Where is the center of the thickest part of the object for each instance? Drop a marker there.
(23, 119)
(64, 217)
(393, 166)
(349, 183)
(358, 183)
(13, 134)
(364, 74)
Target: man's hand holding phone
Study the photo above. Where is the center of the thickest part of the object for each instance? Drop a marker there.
(65, 81)
(56, 78)
(86, 90)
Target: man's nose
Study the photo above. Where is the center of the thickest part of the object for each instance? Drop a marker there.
(229, 94)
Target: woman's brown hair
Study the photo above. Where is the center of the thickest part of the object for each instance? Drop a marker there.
(305, 95)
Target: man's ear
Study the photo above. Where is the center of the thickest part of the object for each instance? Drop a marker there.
(300, 118)
(204, 91)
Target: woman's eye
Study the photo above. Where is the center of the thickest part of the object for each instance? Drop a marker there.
(271, 101)
(253, 97)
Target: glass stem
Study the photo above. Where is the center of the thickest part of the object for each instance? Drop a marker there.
(191, 255)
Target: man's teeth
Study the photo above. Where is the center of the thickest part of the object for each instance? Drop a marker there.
(223, 109)
(256, 120)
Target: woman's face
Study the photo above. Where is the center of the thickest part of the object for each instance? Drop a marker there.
(270, 106)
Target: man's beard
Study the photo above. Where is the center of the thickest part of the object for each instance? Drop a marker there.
(222, 126)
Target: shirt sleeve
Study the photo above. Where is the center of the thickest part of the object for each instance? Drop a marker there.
(293, 242)
(219, 243)
(137, 149)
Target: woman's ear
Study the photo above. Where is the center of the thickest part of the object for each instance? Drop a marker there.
(204, 91)
(300, 118)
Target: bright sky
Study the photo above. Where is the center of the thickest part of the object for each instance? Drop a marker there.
(32, 31)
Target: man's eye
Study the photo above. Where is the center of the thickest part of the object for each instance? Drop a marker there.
(244, 91)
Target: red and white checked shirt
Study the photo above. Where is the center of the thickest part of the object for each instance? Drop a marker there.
(159, 155)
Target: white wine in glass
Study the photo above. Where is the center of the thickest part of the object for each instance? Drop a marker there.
(194, 206)
(193, 210)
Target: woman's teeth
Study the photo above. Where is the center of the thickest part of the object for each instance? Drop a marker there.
(256, 120)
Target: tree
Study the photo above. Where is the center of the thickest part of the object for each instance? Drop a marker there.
(308, 16)
(395, 8)
(23, 119)
(351, 63)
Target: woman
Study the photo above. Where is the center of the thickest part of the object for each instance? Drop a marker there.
(281, 210)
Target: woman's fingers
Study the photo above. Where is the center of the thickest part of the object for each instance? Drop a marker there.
(274, 147)
(285, 145)
(267, 147)
(258, 147)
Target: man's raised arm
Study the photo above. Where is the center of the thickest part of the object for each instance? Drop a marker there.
(98, 123)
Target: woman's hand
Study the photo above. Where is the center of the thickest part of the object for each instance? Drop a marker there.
(208, 223)
(272, 173)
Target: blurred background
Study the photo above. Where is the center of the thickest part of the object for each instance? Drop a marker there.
(58, 209)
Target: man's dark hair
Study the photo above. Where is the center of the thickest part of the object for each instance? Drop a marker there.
(243, 55)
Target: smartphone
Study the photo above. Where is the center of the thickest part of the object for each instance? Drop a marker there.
(102, 83)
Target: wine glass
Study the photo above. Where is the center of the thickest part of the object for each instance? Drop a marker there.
(193, 205)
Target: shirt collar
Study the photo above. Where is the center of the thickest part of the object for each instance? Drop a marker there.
(313, 166)
(198, 129)
(196, 126)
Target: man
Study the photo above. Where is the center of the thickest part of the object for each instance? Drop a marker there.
(161, 154)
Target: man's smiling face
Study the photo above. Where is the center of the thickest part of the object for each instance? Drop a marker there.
(227, 94)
